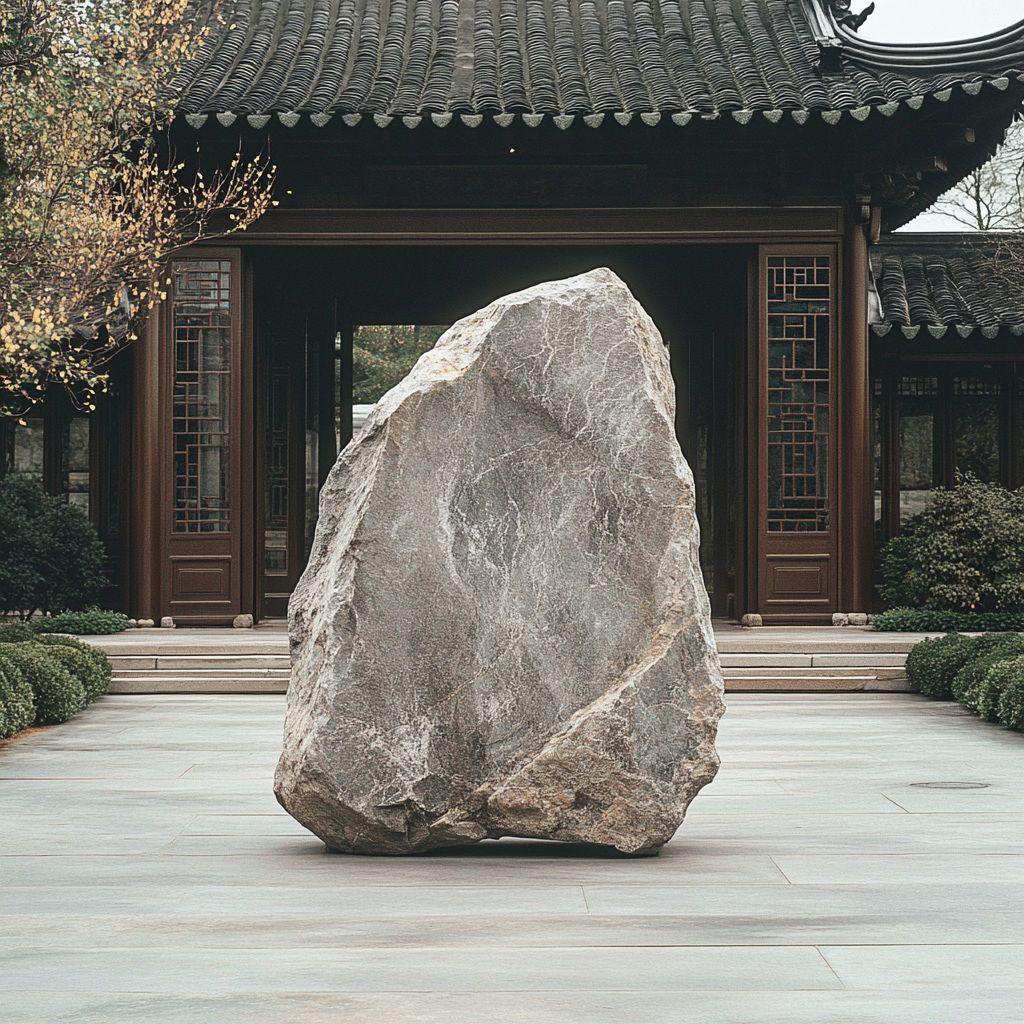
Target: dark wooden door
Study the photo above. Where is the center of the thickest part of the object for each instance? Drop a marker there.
(796, 431)
(206, 515)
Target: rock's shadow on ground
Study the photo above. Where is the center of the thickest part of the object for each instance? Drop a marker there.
(539, 849)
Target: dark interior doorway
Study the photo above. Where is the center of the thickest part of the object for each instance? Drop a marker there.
(306, 300)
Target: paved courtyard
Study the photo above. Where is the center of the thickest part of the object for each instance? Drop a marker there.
(149, 875)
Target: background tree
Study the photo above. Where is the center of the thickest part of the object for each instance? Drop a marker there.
(93, 199)
(383, 355)
(992, 197)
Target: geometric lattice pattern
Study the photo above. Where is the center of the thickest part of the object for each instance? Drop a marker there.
(201, 339)
(799, 334)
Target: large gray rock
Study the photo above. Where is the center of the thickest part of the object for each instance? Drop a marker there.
(503, 630)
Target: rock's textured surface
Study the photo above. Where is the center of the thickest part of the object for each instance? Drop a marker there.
(502, 630)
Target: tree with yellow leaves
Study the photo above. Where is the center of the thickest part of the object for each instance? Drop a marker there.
(93, 200)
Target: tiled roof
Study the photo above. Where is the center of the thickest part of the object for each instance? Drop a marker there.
(567, 58)
(934, 285)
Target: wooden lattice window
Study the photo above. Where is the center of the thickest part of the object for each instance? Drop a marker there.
(800, 296)
(201, 344)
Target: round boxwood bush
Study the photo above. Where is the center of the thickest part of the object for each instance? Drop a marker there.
(1001, 676)
(96, 672)
(83, 668)
(1011, 702)
(985, 652)
(17, 709)
(16, 633)
(57, 694)
(932, 664)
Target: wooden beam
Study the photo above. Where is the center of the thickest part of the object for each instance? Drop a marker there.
(641, 225)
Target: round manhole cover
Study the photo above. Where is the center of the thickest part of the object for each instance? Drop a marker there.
(951, 785)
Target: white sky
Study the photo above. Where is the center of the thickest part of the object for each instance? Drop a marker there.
(933, 21)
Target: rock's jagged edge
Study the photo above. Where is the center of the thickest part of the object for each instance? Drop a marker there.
(582, 784)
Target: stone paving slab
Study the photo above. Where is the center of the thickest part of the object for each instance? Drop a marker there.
(149, 876)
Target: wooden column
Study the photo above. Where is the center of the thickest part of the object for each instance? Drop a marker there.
(148, 446)
(855, 455)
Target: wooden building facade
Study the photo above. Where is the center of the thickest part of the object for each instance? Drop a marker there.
(738, 163)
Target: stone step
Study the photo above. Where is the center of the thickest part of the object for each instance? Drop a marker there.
(795, 673)
(816, 684)
(740, 683)
(847, 659)
(169, 683)
(201, 663)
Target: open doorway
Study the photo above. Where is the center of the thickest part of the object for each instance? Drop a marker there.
(337, 327)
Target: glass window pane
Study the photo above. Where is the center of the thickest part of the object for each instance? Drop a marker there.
(976, 402)
(201, 336)
(920, 464)
(1020, 425)
(76, 462)
(28, 448)
(275, 494)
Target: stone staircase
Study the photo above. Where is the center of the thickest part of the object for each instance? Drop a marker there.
(767, 659)
(161, 661)
(809, 659)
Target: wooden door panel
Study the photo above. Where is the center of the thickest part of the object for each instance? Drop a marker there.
(796, 432)
(205, 515)
(201, 580)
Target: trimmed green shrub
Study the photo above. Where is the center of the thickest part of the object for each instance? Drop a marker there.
(1011, 703)
(987, 650)
(966, 553)
(1001, 676)
(97, 682)
(91, 622)
(16, 633)
(51, 558)
(933, 664)
(57, 694)
(927, 620)
(83, 668)
(17, 710)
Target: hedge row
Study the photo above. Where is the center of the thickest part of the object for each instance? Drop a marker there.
(46, 679)
(927, 620)
(93, 621)
(984, 673)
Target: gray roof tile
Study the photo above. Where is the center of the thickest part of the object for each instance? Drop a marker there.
(413, 57)
(943, 281)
